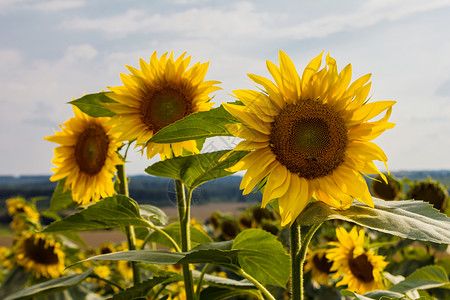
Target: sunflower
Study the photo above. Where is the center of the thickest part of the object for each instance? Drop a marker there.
(431, 191)
(19, 206)
(40, 255)
(309, 136)
(387, 191)
(162, 92)
(361, 269)
(319, 265)
(87, 157)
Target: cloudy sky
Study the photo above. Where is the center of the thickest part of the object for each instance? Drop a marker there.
(54, 50)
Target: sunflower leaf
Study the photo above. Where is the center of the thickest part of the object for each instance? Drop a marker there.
(196, 169)
(424, 278)
(378, 294)
(61, 199)
(91, 104)
(218, 293)
(140, 290)
(412, 219)
(112, 212)
(199, 125)
(51, 286)
(263, 257)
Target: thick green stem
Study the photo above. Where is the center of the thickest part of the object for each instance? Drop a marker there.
(131, 236)
(296, 267)
(299, 248)
(184, 204)
(260, 287)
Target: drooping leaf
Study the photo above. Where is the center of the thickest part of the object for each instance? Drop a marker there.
(379, 294)
(217, 281)
(424, 278)
(140, 290)
(91, 104)
(51, 286)
(197, 236)
(164, 257)
(153, 213)
(262, 256)
(112, 212)
(410, 219)
(196, 169)
(15, 280)
(218, 293)
(199, 125)
(61, 199)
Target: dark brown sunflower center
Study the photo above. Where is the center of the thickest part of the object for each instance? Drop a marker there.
(37, 251)
(309, 138)
(91, 149)
(361, 267)
(163, 107)
(322, 263)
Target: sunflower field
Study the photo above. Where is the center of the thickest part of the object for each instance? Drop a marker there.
(306, 144)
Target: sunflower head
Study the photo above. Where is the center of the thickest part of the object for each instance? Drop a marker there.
(319, 265)
(230, 228)
(162, 92)
(40, 254)
(19, 206)
(309, 136)
(359, 269)
(87, 157)
(386, 191)
(430, 191)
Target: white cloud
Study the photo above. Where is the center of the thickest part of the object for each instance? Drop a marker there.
(7, 6)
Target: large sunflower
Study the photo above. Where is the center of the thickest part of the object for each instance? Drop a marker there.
(162, 92)
(40, 255)
(361, 269)
(87, 157)
(309, 136)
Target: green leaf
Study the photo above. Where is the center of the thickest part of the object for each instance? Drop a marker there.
(217, 293)
(92, 104)
(51, 286)
(199, 125)
(263, 257)
(15, 281)
(424, 278)
(112, 212)
(224, 282)
(410, 219)
(164, 257)
(196, 169)
(153, 213)
(140, 290)
(61, 199)
(197, 236)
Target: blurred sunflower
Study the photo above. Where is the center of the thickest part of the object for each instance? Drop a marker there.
(40, 255)
(430, 191)
(162, 92)
(308, 136)
(360, 269)
(87, 157)
(389, 190)
(25, 215)
(319, 265)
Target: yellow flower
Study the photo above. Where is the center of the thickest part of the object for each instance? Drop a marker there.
(308, 136)
(87, 157)
(361, 269)
(18, 206)
(40, 255)
(162, 92)
(319, 265)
